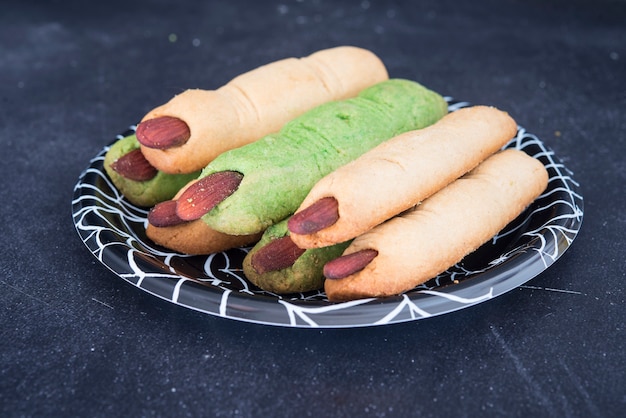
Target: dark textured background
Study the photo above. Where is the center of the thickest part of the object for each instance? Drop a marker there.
(76, 340)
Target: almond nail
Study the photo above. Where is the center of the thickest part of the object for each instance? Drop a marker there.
(164, 214)
(206, 193)
(348, 264)
(163, 132)
(278, 254)
(134, 166)
(320, 215)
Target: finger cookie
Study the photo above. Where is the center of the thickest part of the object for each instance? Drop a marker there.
(247, 189)
(409, 249)
(193, 238)
(194, 127)
(136, 179)
(277, 265)
(397, 174)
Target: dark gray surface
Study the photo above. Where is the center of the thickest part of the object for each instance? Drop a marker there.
(77, 340)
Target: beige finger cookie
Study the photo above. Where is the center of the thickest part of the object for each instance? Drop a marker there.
(196, 237)
(194, 127)
(193, 237)
(398, 174)
(416, 246)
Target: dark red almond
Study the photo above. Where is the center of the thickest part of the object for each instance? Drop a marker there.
(134, 166)
(164, 214)
(348, 264)
(206, 193)
(163, 132)
(320, 215)
(278, 254)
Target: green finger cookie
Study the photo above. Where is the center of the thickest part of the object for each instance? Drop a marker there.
(306, 273)
(148, 193)
(280, 169)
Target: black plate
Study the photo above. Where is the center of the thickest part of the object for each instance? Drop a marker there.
(114, 231)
